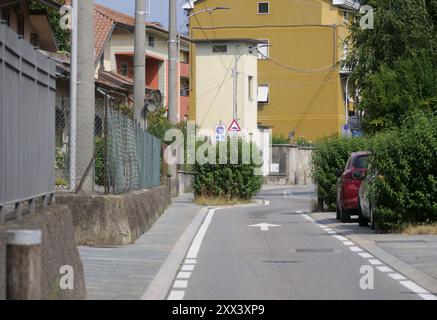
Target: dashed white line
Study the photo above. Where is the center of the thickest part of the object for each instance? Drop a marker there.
(397, 276)
(365, 255)
(375, 262)
(427, 296)
(348, 243)
(384, 269)
(355, 249)
(341, 238)
(176, 295)
(187, 267)
(414, 287)
(190, 261)
(180, 284)
(184, 275)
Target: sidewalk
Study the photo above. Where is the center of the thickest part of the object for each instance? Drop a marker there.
(414, 256)
(125, 272)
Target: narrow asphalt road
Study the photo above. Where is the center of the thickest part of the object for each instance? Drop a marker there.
(298, 258)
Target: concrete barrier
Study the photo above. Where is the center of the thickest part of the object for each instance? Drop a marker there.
(186, 179)
(58, 248)
(115, 219)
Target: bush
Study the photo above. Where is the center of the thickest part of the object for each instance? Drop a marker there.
(405, 165)
(330, 155)
(230, 181)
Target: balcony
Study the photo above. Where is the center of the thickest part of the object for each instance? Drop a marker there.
(347, 4)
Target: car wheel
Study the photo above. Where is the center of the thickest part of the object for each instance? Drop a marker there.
(344, 215)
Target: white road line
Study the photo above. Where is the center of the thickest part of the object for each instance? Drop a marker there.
(427, 296)
(375, 262)
(197, 242)
(356, 249)
(348, 243)
(187, 267)
(384, 269)
(183, 275)
(299, 211)
(180, 284)
(397, 276)
(331, 232)
(176, 295)
(341, 238)
(365, 255)
(190, 261)
(414, 287)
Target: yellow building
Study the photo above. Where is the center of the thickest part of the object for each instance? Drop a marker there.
(300, 79)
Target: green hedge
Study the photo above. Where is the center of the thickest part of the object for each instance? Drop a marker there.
(231, 181)
(329, 156)
(405, 163)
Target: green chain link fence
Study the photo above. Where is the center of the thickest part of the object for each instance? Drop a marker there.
(133, 155)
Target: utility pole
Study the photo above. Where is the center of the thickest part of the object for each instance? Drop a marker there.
(139, 61)
(85, 96)
(73, 94)
(173, 64)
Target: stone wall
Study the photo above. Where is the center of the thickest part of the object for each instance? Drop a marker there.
(115, 219)
(58, 249)
(294, 165)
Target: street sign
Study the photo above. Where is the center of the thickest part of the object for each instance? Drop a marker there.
(346, 131)
(264, 226)
(234, 127)
(220, 132)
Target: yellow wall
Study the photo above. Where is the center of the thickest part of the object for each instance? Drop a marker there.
(306, 38)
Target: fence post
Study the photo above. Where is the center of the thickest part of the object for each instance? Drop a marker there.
(23, 264)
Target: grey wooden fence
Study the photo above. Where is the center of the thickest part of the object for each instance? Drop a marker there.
(27, 122)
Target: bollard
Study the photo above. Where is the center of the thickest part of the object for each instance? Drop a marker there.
(23, 264)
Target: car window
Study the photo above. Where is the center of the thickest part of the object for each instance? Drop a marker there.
(361, 162)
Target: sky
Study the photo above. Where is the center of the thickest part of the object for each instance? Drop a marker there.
(158, 10)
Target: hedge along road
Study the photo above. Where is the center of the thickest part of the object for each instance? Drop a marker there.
(233, 256)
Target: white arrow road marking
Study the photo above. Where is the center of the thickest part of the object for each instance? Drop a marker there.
(264, 226)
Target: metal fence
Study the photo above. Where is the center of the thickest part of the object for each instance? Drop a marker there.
(27, 132)
(126, 157)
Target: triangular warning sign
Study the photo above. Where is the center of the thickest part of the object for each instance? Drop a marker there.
(234, 127)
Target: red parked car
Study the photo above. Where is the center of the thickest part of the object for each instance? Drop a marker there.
(349, 183)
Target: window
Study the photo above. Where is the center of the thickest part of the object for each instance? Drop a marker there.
(185, 57)
(6, 16)
(263, 8)
(124, 69)
(250, 78)
(151, 41)
(346, 16)
(20, 25)
(263, 93)
(102, 61)
(34, 40)
(263, 51)
(220, 49)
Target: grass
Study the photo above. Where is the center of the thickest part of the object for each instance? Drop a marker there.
(206, 201)
(425, 229)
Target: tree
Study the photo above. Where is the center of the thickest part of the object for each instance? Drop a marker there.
(394, 62)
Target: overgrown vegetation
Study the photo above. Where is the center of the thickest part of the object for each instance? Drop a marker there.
(404, 160)
(227, 181)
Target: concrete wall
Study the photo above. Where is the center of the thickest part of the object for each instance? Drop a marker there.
(185, 181)
(58, 249)
(115, 219)
(294, 165)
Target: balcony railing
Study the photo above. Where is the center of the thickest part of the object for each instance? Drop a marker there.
(347, 4)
